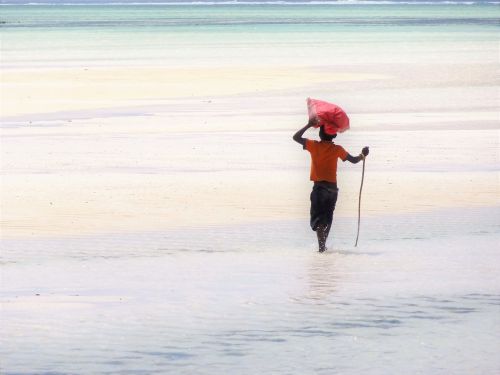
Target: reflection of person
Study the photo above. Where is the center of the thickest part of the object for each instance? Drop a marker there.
(324, 155)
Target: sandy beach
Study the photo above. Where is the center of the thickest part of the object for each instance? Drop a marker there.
(154, 208)
(143, 161)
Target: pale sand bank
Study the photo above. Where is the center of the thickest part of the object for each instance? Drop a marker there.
(74, 179)
(119, 149)
(434, 87)
(62, 89)
(118, 202)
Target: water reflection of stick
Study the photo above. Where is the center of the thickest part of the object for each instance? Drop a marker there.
(359, 201)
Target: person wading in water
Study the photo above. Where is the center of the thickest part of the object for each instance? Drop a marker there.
(324, 156)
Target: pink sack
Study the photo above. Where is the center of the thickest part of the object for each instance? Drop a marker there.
(329, 115)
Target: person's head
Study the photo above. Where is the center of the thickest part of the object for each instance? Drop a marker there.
(324, 136)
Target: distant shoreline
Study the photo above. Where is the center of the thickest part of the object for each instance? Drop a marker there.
(257, 2)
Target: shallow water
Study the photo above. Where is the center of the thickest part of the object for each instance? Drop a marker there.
(415, 296)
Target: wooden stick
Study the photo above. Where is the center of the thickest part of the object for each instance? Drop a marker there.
(359, 201)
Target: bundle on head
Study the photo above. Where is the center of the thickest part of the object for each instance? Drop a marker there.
(328, 116)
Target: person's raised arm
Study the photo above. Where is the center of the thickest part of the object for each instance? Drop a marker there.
(297, 137)
(357, 159)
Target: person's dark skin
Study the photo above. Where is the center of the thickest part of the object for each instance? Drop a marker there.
(322, 230)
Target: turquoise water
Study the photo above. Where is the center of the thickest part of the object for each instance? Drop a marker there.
(241, 34)
(250, 16)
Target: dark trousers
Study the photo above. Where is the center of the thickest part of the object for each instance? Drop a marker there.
(323, 200)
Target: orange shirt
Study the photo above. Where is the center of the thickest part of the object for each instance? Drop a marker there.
(324, 157)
